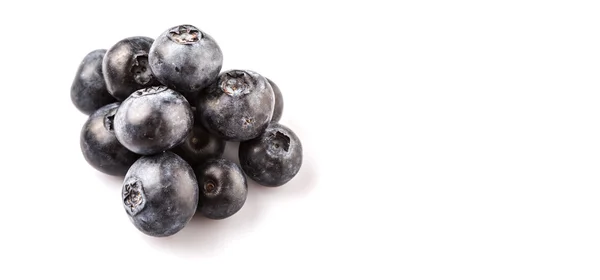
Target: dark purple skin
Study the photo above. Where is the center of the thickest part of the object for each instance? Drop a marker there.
(100, 147)
(126, 68)
(153, 120)
(278, 110)
(223, 188)
(272, 159)
(200, 146)
(186, 59)
(238, 106)
(88, 91)
(160, 194)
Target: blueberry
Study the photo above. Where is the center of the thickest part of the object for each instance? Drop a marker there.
(185, 59)
(238, 106)
(88, 91)
(278, 110)
(223, 188)
(153, 120)
(160, 194)
(272, 159)
(200, 146)
(99, 145)
(125, 67)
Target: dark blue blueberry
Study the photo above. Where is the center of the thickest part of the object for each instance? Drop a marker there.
(160, 194)
(238, 106)
(272, 159)
(223, 188)
(278, 110)
(88, 91)
(186, 59)
(126, 69)
(200, 146)
(153, 120)
(100, 147)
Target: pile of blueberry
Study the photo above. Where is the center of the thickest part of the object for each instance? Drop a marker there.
(161, 112)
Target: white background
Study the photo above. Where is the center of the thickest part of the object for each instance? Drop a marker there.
(442, 140)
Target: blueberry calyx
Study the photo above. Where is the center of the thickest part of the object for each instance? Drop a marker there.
(140, 69)
(133, 197)
(150, 90)
(247, 121)
(278, 141)
(185, 34)
(198, 143)
(211, 189)
(109, 120)
(237, 83)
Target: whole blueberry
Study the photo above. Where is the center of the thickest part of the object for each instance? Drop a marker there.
(88, 91)
(160, 194)
(272, 159)
(223, 188)
(185, 59)
(125, 67)
(278, 110)
(238, 106)
(200, 146)
(153, 120)
(100, 147)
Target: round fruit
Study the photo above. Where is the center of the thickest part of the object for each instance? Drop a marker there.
(100, 147)
(125, 67)
(185, 59)
(153, 120)
(238, 107)
(223, 188)
(88, 91)
(272, 159)
(200, 146)
(160, 194)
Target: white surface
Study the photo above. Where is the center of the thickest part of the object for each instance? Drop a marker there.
(442, 141)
